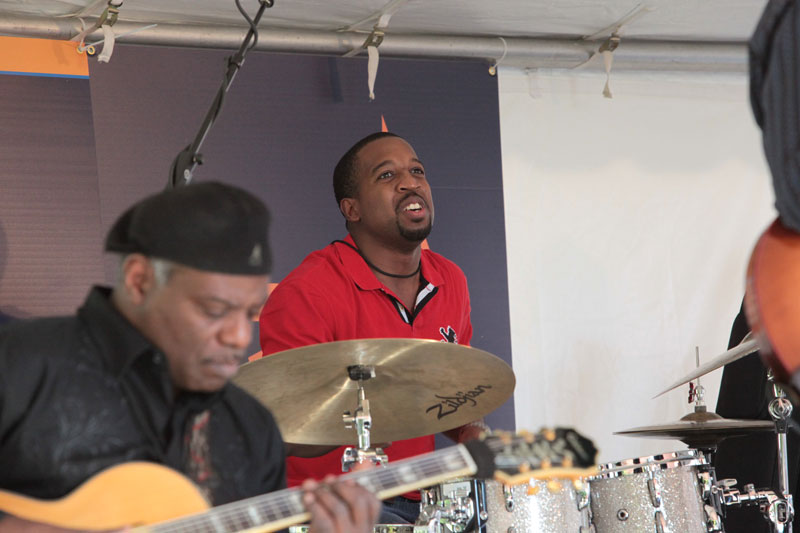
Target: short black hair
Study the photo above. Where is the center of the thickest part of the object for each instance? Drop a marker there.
(344, 179)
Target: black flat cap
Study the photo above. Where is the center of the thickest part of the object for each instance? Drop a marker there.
(208, 226)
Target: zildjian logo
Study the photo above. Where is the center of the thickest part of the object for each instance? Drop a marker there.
(450, 404)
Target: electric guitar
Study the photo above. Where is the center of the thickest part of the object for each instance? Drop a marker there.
(154, 498)
(772, 299)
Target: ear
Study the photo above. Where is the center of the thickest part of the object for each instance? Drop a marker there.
(350, 209)
(137, 277)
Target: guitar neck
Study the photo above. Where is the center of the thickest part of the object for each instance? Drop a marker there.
(281, 509)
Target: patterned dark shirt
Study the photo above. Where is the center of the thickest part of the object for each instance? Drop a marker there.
(82, 393)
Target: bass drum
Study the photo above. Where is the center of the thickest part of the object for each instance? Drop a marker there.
(666, 493)
(554, 506)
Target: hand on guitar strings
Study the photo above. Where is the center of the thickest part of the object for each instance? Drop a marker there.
(340, 506)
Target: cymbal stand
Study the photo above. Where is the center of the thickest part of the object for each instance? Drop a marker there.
(362, 421)
(777, 508)
(780, 409)
(709, 486)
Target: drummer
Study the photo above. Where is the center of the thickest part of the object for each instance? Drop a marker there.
(377, 282)
(142, 372)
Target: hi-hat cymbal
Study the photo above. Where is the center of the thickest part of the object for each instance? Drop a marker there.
(746, 347)
(420, 387)
(700, 429)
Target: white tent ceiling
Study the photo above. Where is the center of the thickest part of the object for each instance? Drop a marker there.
(656, 34)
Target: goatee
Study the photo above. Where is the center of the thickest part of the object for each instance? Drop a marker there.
(415, 235)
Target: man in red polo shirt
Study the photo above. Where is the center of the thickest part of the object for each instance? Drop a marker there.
(378, 282)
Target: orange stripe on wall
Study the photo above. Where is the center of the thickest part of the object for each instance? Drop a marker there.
(42, 56)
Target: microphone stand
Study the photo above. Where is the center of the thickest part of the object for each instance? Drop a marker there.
(187, 160)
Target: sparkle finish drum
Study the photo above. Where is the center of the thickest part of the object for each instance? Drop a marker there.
(555, 506)
(659, 494)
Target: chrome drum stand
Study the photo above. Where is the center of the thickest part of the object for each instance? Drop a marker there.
(777, 508)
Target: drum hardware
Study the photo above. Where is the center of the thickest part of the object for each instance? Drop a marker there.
(771, 505)
(704, 430)
(709, 490)
(454, 507)
(378, 528)
(362, 421)
(780, 512)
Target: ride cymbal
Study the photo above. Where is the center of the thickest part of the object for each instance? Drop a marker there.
(420, 387)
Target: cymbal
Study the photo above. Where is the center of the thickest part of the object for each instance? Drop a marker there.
(420, 387)
(746, 347)
(701, 429)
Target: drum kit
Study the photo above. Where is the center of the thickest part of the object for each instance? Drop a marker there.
(353, 393)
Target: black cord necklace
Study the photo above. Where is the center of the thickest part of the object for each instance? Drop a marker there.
(378, 270)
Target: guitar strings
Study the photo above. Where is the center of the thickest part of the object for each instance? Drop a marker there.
(287, 502)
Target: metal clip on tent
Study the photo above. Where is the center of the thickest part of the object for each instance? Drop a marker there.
(108, 18)
(493, 66)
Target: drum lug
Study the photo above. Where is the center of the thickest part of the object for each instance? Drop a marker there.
(508, 496)
(661, 523)
(582, 493)
(713, 521)
(654, 488)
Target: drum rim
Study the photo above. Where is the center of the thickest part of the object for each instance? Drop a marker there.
(401, 528)
(661, 461)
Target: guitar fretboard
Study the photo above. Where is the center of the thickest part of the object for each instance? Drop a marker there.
(281, 509)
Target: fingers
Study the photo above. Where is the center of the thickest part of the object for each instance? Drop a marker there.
(360, 467)
(340, 506)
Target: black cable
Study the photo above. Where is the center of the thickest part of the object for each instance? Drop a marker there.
(250, 22)
(188, 158)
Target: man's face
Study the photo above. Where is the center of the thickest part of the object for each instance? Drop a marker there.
(393, 196)
(202, 321)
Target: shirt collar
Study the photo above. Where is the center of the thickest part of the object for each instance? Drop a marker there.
(365, 278)
(120, 344)
(118, 341)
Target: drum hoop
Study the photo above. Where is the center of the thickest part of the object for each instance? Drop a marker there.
(640, 465)
(399, 528)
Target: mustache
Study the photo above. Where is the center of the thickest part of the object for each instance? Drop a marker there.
(410, 195)
(238, 358)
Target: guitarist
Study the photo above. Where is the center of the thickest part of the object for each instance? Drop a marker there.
(142, 371)
(744, 392)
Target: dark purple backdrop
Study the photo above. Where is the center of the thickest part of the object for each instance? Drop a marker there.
(286, 121)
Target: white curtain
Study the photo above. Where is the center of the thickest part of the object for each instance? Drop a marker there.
(629, 223)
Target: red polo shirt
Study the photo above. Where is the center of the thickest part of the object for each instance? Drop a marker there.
(333, 296)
